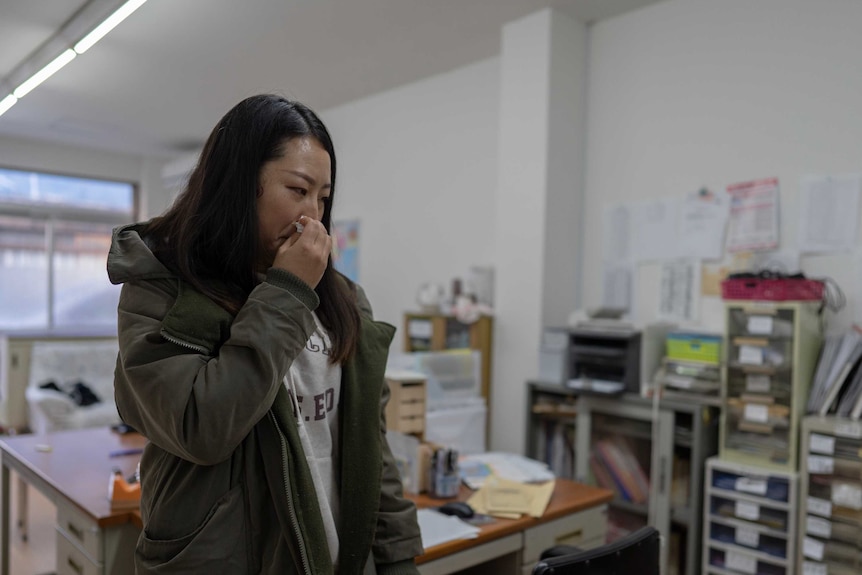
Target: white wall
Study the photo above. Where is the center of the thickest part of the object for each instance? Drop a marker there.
(688, 93)
(417, 167)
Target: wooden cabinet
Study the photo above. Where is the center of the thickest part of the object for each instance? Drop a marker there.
(438, 332)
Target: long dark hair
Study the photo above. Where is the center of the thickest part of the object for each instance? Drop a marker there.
(209, 235)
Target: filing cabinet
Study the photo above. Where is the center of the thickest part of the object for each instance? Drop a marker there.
(830, 526)
(772, 350)
(749, 520)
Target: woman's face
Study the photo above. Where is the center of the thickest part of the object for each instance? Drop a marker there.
(296, 184)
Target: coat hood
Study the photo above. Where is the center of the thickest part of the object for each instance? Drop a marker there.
(130, 258)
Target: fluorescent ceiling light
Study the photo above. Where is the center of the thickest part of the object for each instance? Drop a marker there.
(44, 73)
(7, 103)
(107, 25)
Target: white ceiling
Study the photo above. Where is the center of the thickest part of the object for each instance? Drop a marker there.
(159, 81)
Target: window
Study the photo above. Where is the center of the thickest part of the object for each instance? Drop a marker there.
(55, 232)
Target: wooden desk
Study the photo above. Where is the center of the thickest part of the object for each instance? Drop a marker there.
(576, 515)
(74, 475)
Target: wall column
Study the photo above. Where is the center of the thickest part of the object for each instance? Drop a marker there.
(538, 203)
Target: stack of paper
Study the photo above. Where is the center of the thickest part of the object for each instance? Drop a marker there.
(476, 468)
(511, 499)
(837, 379)
(437, 528)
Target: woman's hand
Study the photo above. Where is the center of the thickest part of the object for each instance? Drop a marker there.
(305, 253)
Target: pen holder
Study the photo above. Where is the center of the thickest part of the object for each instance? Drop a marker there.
(444, 480)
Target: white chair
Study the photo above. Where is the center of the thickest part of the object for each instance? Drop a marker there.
(64, 363)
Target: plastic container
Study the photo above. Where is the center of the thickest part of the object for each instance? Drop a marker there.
(783, 289)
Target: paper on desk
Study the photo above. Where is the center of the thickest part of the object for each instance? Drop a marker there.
(510, 499)
(437, 528)
(507, 466)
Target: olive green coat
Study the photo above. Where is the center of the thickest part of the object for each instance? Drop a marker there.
(225, 485)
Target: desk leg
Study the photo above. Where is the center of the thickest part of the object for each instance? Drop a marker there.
(4, 517)
(22, 508)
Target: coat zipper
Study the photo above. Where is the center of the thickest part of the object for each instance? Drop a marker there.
(185, 344)
(294, 522)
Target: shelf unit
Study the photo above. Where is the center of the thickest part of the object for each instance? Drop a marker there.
(771, 353)
(552, 427)
(749, 519)
(673, 436)
(438, 332)
(830, 527)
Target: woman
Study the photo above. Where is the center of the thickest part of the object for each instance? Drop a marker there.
(255, 369)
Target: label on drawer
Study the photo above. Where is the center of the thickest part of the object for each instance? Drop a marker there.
(760, 324)
(751, 485)
(747, 536)
(852, 429)
(822, 444)
(812, 548)
(739, 562)
(746, 510)
(751, 355)
(756, 412)
(847, 495)
(821, 465)
(818, 526)
(757, 383)
(819, 506)
(812, 568)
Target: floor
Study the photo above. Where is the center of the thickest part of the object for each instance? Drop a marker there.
(36, 556)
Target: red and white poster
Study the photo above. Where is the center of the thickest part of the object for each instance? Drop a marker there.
(753, 222)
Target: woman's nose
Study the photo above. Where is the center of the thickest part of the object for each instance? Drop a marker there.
(313, 209)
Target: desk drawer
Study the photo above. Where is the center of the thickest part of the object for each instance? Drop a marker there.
(81, 530)
(578, 530)
(71, 560)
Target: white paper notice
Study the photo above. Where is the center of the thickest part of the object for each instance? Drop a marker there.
(824, 444)
(847, 495)
(821, 465)
(679, 291)
(829, 213)
(812, 568)
(751, 485)
(819, 506)
(655, 235)
(739, 562)
(756, 383)
(751, 355)
(756, 413)
(760, 324)
(617, 286)
(753, 216)
(812, 548)
(748, 537)
(746, 510)
(702, 223)
(818, 526)
(848, 429)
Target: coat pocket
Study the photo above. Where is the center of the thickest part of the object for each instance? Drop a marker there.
(217, 545)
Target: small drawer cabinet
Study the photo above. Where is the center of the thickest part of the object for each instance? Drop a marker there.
(405, 411)
(772, 350)
(749, 520)
(830, 526)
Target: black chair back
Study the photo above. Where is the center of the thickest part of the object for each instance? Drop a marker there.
(637, 553)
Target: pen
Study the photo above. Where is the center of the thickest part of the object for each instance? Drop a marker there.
(129, 451)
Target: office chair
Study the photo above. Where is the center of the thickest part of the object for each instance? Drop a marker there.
(637, 552)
